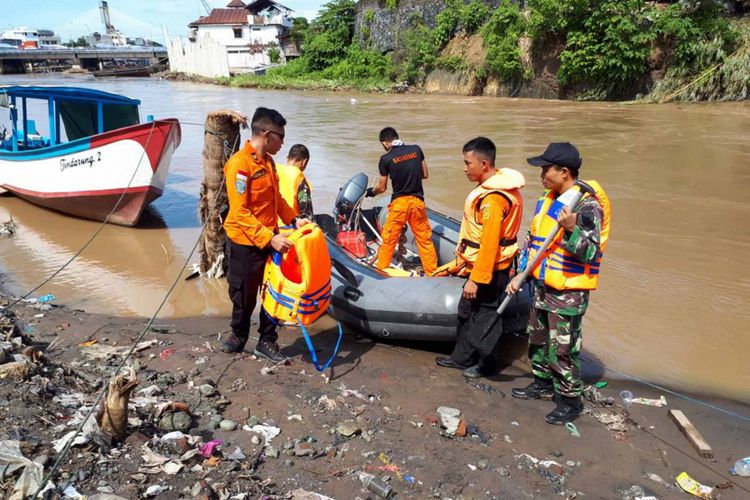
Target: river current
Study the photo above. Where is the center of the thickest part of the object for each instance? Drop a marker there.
(674, 291)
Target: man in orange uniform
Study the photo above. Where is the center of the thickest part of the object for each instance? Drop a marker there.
(252, 230)
(406, 166)
(487, 246)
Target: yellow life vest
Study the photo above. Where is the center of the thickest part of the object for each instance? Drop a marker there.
(297, 284)
(560, 269)
(290, 178)
(507, 182)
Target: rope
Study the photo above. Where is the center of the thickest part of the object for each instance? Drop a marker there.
(669, 391)
(95, 234)
(701, 76)
(130, 352)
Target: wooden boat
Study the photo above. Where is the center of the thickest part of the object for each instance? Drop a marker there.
(398, 305)
(110, 162)
(126, 71)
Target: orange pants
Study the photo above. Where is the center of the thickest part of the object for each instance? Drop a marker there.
(407, 210)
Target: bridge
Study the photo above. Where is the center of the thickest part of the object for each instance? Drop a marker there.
(20, 60)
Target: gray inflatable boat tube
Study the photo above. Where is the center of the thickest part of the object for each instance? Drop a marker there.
(415, 308)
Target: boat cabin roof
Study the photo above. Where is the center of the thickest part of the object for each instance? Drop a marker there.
(65, 94)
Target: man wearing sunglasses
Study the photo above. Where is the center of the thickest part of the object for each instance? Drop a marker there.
(255, 205)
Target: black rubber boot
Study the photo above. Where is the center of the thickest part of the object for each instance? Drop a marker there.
(567, 410)
(539, 389)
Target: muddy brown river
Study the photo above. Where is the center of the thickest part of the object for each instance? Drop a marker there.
(674, 296)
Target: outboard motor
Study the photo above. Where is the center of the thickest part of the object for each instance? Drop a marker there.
(348, 198)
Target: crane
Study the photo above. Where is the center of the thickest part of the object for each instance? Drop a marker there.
(116, 37)
(207, 7)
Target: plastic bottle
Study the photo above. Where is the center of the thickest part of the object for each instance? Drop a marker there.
(375, 485)
(741, 467)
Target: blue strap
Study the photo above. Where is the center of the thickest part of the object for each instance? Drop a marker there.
(314, 356)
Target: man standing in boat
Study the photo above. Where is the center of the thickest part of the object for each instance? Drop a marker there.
(566, 274)
(406, 167)
(486, 249)
(255, 203)
(293, 184)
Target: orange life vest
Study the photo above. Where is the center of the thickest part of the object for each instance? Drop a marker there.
(297, 284)
(290, 178)
(560, 269)
(507, 182)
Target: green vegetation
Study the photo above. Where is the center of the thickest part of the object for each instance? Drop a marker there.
(274, 55)
(501, 36)
(608, 49)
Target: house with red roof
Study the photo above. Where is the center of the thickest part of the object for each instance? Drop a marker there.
(251, 34)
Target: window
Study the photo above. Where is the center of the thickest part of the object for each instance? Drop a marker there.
(237, 32)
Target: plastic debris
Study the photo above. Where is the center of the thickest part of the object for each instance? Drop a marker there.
(11, 460)
(693, 487)
(208, 449)
(741, 467)
(601, 384)
(572, 429)
(46, 298)
(662, 401)
(267, 431)
(300, 494)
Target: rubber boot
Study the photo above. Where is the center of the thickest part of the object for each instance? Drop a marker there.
(539, 389)
(567, 410)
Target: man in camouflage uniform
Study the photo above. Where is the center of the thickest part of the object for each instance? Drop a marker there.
(555, 319)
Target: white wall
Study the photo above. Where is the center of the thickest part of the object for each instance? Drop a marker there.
(262, 35)
(204, 57)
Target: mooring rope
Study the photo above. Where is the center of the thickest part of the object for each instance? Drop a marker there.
(63, 453)
(95, 233)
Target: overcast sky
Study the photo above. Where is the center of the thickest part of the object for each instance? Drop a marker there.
(135, 18)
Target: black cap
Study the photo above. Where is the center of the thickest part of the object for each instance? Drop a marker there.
(562, 154)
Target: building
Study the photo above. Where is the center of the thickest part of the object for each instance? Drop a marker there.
(48, 39)
(251, 34)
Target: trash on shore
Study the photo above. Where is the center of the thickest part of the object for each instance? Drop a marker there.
(11, 460)
(113, 412)
(695, 488)
(741, 467)
(8, 228)
(661, 402)
(691, 433)
(375, 486)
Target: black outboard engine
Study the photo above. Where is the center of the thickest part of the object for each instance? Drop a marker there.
(349, 197)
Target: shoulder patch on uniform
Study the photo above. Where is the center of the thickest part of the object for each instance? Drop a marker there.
(260, 173)
(240, 181)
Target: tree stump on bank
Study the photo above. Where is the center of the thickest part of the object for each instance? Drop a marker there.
(221, 140)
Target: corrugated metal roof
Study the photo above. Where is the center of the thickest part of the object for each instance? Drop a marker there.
(223, 16)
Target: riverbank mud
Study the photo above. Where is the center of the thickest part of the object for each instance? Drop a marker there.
(376, 411)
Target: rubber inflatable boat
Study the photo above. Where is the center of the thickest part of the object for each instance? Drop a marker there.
(399, 303)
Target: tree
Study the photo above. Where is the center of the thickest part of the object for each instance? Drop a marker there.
(79, 42)
(330, 34)
(300, 25)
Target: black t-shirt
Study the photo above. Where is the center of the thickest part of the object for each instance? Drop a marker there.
(403, 164)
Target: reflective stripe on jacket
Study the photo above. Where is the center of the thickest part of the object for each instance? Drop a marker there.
(297, 284)
(254, 199)
(560, 269)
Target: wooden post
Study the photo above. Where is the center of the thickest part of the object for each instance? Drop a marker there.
(221, 140)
